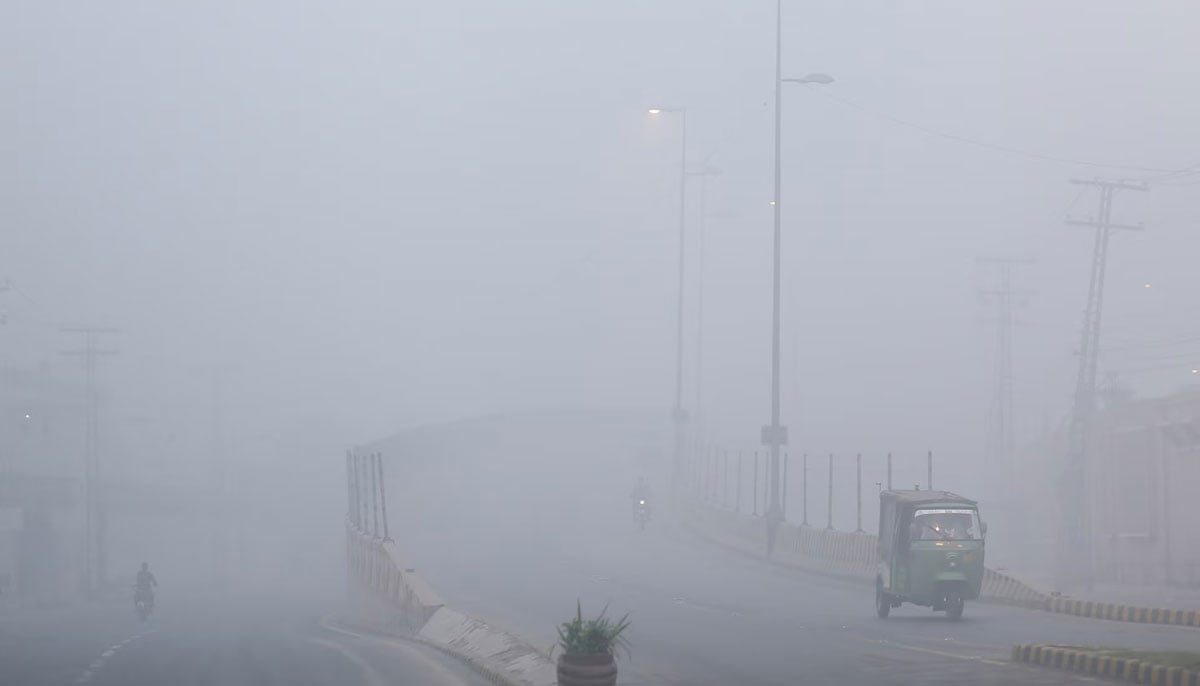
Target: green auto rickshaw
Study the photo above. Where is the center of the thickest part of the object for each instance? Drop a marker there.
(930, 551)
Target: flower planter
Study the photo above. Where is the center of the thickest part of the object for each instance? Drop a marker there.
(587, 670)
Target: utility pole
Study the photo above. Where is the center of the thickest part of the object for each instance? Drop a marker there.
(1001, 435)
(1075, 546)
(95, 552)
(350, 494)
(5, 287)
(858, 469)
(220, 498)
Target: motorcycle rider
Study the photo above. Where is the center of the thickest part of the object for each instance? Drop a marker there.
(144, 587)
(640, 495)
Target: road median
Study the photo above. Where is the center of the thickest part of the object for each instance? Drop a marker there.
(1122, 613)
(1133, 666)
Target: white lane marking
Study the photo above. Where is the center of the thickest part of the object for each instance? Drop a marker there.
(372, 677)
(86, 675)
(447, 675)
(942, 653)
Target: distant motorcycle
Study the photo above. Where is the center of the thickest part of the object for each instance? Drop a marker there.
(641, 513)
(143, 602)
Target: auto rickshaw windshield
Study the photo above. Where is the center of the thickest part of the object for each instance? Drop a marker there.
(945, 525)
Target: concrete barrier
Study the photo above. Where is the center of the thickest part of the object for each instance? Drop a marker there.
(486, 645)
(390, 596)
(1002, 588)
(1121, 613)
(1097, 663)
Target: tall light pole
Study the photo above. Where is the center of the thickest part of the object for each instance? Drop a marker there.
(678, 414)
(774, 435)
(704, 173)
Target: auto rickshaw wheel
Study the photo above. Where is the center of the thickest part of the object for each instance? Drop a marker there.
(954, 604)
(883, 604)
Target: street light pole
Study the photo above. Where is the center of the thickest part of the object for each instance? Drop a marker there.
(698, 403)
(678, 413)
(775, 434)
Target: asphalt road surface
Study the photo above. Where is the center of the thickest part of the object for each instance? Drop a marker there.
(518, 550)
(208, 643)
(705, 616)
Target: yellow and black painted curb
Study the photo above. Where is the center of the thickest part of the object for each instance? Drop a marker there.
(1099, 664)
(1122, 613)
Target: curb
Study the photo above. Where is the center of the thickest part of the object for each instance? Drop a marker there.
(1122, 613)
(1097, 664)
(480, 667)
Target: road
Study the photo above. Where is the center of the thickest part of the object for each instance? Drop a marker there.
(519, 550)
(206, 642)
(705, 617)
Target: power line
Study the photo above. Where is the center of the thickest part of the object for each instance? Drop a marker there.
(1168, 343)
(1181, 367)
(1177, 174)
(9, 285)
(1185, 355)
(1020, 152)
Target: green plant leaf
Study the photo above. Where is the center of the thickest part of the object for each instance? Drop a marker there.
(594, 636)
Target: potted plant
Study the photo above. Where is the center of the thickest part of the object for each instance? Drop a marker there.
(589, 648)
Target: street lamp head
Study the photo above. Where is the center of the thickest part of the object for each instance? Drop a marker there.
(654, 110)
(823, 79)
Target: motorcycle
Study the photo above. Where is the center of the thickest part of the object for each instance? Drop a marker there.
(641, 513)
(143, 602)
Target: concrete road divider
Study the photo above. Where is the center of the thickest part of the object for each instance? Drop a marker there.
(1002, 588)
(1122, 613)
(488, 646)
(390, 596)
(1118, 666)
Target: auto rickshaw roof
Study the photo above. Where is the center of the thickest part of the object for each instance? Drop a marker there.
(926, 498)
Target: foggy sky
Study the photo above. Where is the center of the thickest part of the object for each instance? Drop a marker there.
(377, 214)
